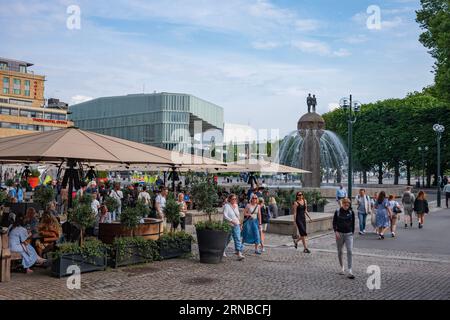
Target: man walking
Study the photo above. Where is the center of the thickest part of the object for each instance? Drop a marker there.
(447, 192)
(363, 204)
(160, 204)
(341, 193)
(408, 199)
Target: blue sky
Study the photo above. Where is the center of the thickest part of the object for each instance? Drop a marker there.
(256, 58)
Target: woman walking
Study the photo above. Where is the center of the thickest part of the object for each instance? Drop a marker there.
(183, 211)
(232, 215)
(344, 228)
(421, 208)
(373, 216)
(383, 214)
(273, 208)
(395, 217)
(300, 210)
(250, 228)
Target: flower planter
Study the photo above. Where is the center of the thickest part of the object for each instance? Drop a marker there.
(211, 245)
(151, 229)
(318, 208)
(131, 255)
(175, 252)
(33, 181)
(86, 264)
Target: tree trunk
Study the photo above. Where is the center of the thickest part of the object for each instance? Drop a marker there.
(81, 237)
(396, 172)
(428, 178)
(365, 177)
(380, 173)
(408, 173)
(338, 176)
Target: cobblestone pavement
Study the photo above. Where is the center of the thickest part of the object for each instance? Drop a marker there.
(279, 273)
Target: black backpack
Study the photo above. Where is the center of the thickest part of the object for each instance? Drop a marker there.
(265, 215)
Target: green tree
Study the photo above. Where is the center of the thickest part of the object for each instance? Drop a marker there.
(434, 18)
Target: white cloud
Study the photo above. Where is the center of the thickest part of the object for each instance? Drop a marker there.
(332, 106)
(79, 99)
(265, 45)
(307, 25)
(391, 24)
(312, 47)
(341, 53)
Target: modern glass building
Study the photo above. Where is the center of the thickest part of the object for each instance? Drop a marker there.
(161, 119)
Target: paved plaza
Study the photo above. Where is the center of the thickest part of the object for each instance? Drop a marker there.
(415, 265)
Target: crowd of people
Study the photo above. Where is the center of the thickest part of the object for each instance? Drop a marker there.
(33, 235)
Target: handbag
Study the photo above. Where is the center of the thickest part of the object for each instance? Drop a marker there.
(397, 210)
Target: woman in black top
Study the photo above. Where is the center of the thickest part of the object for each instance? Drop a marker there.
(300, 209)
(421, 207)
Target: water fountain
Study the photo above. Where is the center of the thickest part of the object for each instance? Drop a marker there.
(312, 148)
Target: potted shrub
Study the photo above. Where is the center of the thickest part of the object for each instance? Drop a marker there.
(111, 203)
(90, 256)
(133, 250)
(172, 211)
(43, 196)
(175, 244)
(211, 236)
(33, 179)
(81, 215)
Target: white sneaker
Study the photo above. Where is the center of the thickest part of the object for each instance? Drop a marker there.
(361, 233)
(240, 256)
(364, 231)
(224, 254)
(342, 272)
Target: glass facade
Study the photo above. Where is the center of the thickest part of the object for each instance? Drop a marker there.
(16, 87)
(27, 88)
(5, 85)
(159, 119)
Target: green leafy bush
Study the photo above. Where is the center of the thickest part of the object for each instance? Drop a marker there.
(9, 183)
(111, 203)
(89, 249)
(3, 197)
(130, 218)
(213, 225)
(172, 210)
(82, 216)
(144, 211)
(147, 249)
(174, 240)
(43, 195)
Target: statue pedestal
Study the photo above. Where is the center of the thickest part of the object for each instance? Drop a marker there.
(310, 127)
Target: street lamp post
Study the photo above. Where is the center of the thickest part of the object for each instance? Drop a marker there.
(350, 108)
(439, 129)
(422, 151)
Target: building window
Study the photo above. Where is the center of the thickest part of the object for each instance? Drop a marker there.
(25, 113)
(5, 85)
(23, 69)
(17, 86)
(5, 111)
(27, 88)
(3, 66)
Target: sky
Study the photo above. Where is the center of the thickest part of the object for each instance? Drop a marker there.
(258, 59)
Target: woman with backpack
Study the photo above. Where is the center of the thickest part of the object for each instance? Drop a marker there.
(395, 217)
(421, 208)
(300, 210)
(250, 227)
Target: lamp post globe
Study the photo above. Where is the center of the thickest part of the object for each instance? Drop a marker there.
(439, 129)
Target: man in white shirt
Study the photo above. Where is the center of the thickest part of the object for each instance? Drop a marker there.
(117, 194)
(144, 196)
(160, 204)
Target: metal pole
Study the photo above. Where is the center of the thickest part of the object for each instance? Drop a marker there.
(350, 157)
(423, 169)
(438, 177)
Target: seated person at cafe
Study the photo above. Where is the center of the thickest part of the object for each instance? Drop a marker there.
(50, 232)
(103, 216)
(31, 222)
(18, 242)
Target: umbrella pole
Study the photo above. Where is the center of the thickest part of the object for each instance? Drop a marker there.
(173, 180)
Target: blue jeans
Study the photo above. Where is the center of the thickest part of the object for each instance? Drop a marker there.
(236, 234)
(362, 217)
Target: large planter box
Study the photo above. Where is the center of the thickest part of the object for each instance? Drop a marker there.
(318, 208)
(211, 245)
(193, 217)
(86, 264)
(151, 229)
(169, 253)
(131, 256)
